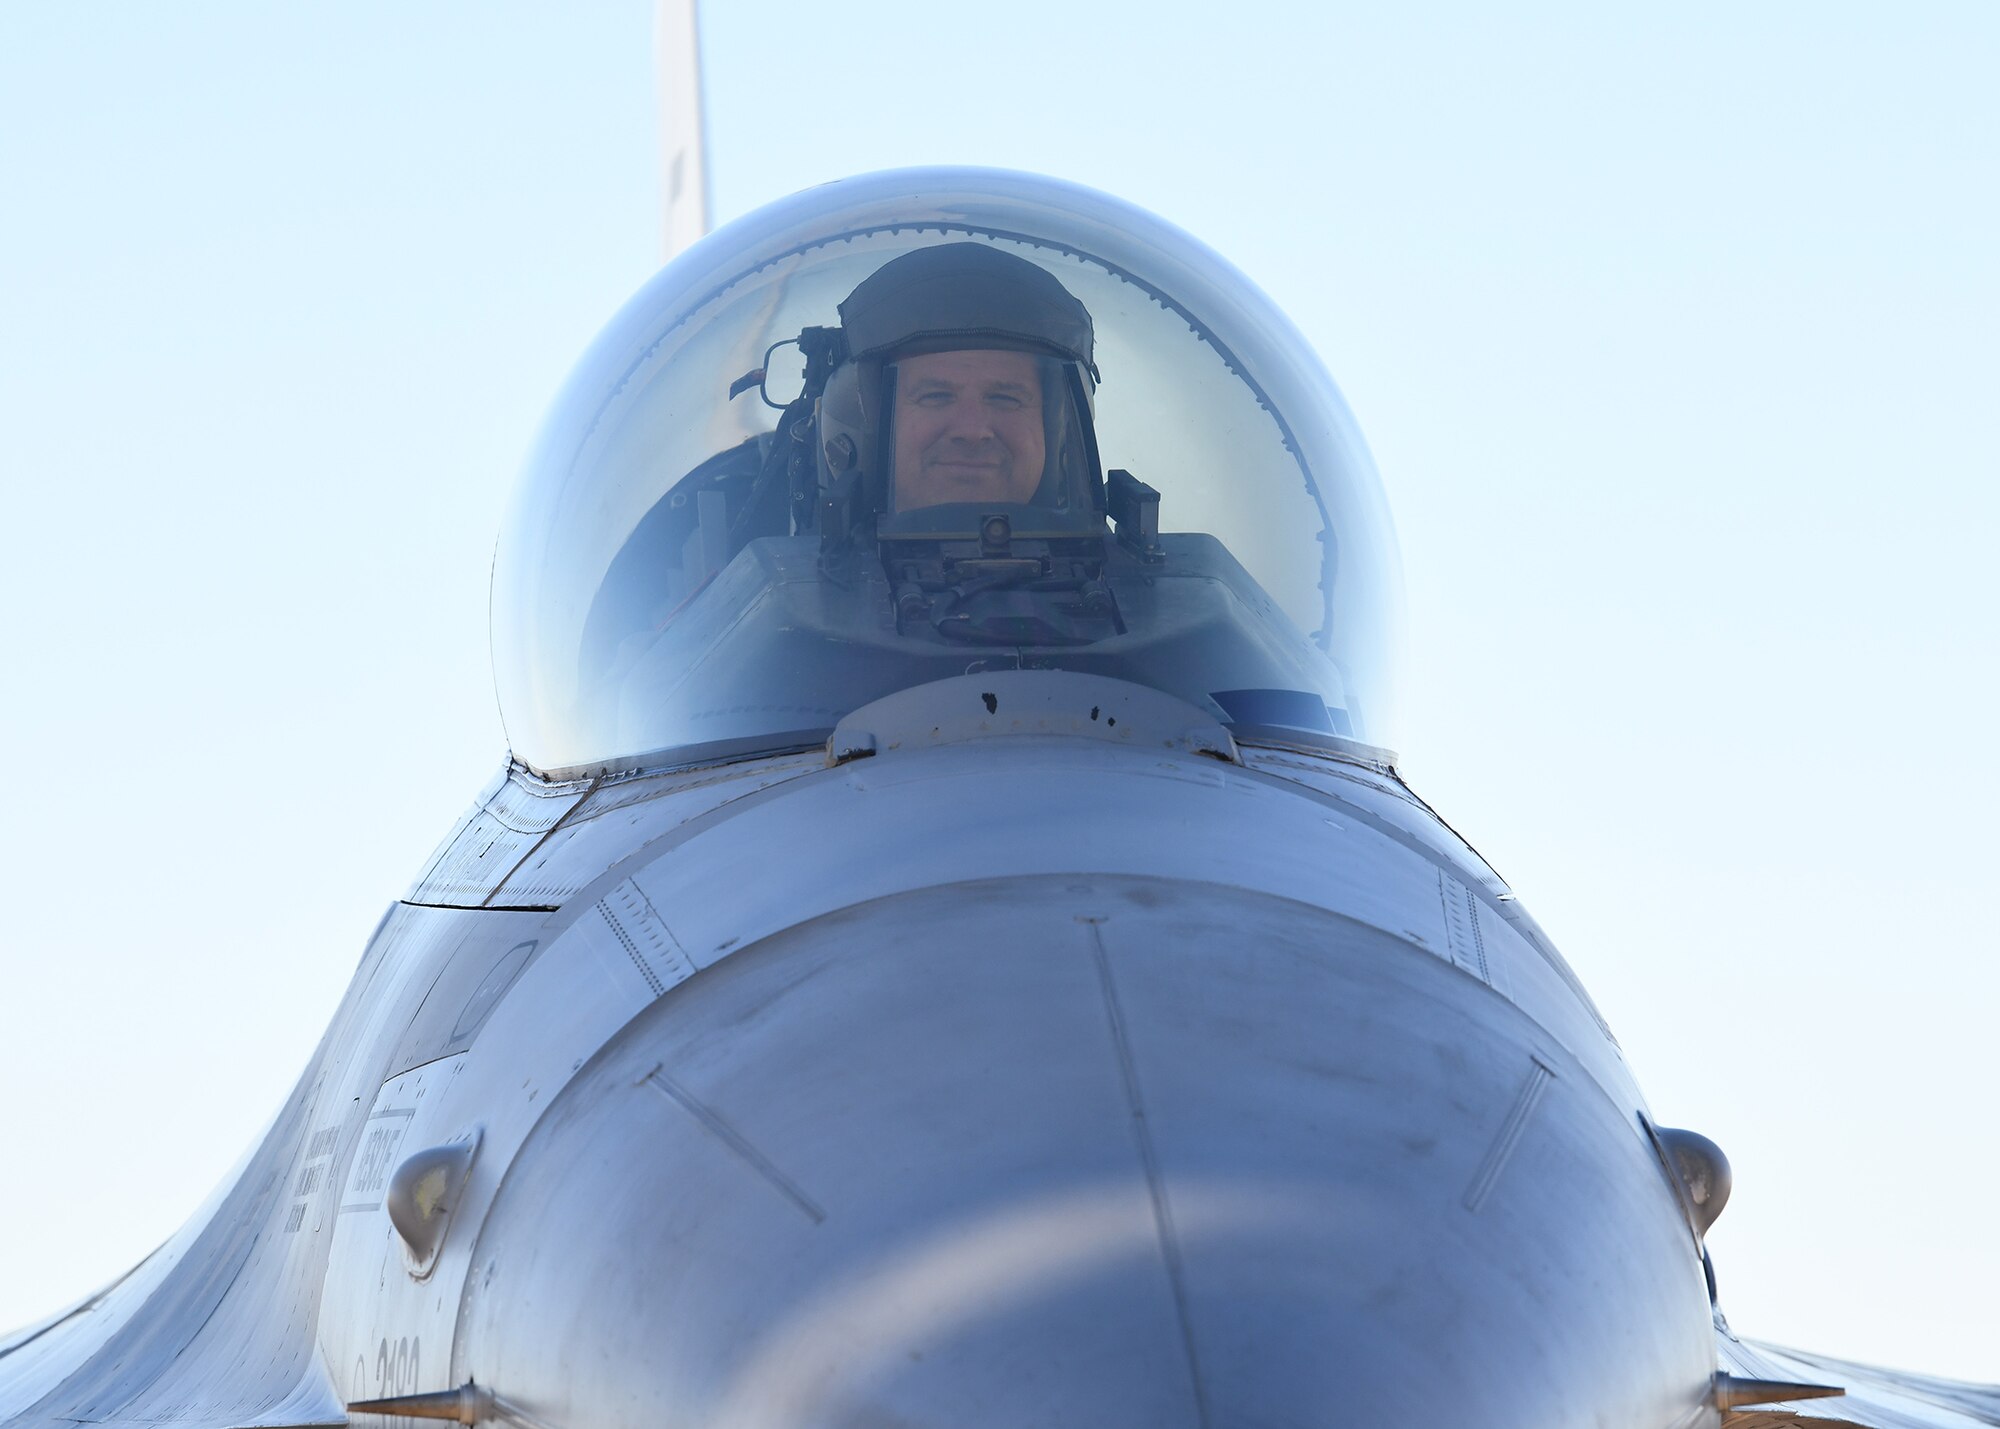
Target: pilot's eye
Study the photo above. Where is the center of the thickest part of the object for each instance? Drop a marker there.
(1005, 399)
(933, 398)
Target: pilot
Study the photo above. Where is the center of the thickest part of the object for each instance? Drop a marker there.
(961, 376)
(968, 379)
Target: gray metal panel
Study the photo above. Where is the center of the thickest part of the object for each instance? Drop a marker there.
(512, 817)
(1004, 704)
(1386, 802)
(1391, 807)
(627, 922)
(1115, 1151)
(914, 819)
(621, 817)
(634, 811)
(514, 849)
(382, 1330)
(486, 958)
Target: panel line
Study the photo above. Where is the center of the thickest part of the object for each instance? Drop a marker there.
(1502, 1149)
(1163, 1216)
(730, 1137)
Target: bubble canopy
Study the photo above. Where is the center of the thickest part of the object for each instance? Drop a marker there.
(685, 573)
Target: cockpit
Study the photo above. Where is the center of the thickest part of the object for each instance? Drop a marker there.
(927, 424)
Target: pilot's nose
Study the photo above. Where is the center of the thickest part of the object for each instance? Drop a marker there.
(970, 423)
(1100, 1153)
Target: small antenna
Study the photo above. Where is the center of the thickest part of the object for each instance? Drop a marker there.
(467, 1404)
(470, 1403)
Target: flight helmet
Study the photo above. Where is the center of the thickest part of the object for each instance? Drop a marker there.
(948, 298)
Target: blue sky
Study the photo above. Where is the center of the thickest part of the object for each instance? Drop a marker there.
(1674, 335)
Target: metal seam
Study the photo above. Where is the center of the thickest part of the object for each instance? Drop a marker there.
(730, 1137)
(1163, 1219)
(535, 847)
(1540, 1074)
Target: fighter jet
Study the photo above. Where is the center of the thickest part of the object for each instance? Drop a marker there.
(950, 942)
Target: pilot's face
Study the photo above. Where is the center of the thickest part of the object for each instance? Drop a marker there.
(968, 428)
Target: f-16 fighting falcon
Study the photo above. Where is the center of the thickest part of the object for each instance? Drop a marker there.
(950, 944)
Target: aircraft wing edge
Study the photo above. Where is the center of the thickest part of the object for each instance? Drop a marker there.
(1876, 1398)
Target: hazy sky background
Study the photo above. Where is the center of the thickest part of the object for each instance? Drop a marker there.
(1676, 335)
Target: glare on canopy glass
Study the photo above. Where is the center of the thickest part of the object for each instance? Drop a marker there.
(640, 617)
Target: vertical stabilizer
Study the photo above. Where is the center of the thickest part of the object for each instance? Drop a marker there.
(684, 214)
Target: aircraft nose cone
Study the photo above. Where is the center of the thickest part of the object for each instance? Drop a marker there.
(1104, 1152)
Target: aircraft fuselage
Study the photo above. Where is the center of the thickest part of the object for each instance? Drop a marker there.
(1064, 1057)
